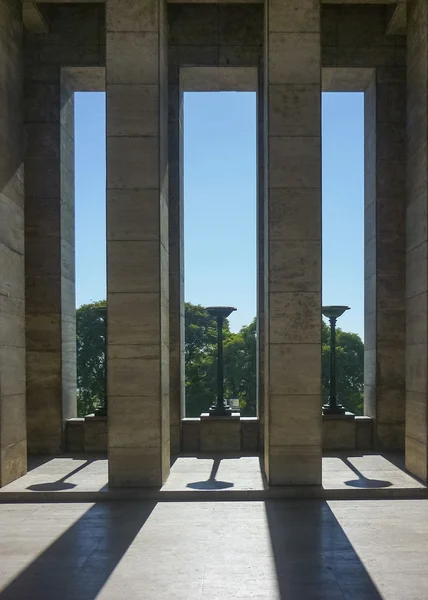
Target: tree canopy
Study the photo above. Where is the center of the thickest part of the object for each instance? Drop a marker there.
(349, 368)
(240, 362)
(200, 359)
(90, 333)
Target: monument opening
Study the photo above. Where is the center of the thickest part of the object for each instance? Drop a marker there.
(343, 244)
(220, 189)
(90, 243)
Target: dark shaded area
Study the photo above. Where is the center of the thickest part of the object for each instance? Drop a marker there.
(314, 559)
(78, 564)
(363, 481)
(211, 483)
(216, 25)
(37, 460)
(398, 459)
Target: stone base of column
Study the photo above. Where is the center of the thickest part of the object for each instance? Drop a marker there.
(417, 458)
(220, 434)
(138, 467)
(294, 465)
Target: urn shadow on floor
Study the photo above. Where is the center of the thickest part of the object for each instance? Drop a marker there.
(363, 481)
(61, 484)
(211, 483)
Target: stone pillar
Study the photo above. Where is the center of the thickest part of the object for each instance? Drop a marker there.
(417, 241)
(293, 242)
(384, 251)
(137, 243)
(49, 258)
(176, 264)
(13, 445)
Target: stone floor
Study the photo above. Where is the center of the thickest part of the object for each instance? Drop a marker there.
(278, 549)
(344, 476)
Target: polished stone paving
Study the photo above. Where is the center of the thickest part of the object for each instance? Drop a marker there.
(347, 473)
(279, 549)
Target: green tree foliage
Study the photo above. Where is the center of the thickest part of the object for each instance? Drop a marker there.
(240, 365)
(90, 330)
(200, 359)
(240, 362)
(200, 340)
(240, 368)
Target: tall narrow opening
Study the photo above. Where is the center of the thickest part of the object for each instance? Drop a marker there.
(90, 228)
(220, 245)
(343, 240)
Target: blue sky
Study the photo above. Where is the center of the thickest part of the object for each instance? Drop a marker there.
(220, 202)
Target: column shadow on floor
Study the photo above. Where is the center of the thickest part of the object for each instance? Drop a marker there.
(398, 459)
(35, 460)
(79, 563)
(314, 558)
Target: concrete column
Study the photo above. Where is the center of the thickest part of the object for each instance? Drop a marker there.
(385, 243)
(49, 258)
(137, 243)
(176, 264)
(293, 241)
(13, 445)
(417, 241)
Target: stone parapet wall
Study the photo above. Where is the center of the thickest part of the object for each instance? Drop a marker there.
(90, 435)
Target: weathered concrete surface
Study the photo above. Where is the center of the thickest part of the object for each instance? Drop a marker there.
(13, 445)
(137, 243)
(50, 258)
(75, 38)
(90, 435)
(292, 243)
(339, 432)
(385, 243)
(34, 18)
(176, 264)
(355, 36)
(417, 242)
(218, 79)
(352, 36)
(220, 434)
(214, 36)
